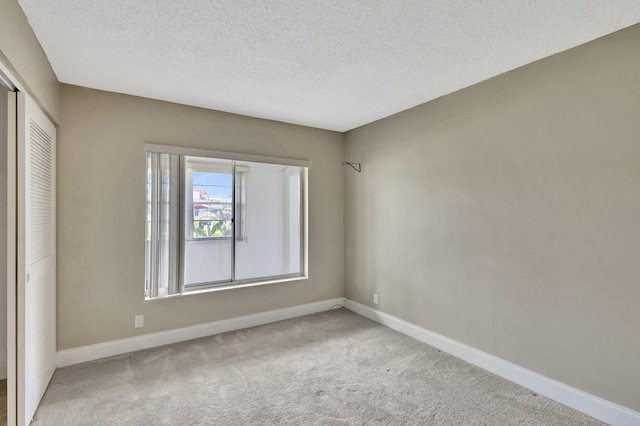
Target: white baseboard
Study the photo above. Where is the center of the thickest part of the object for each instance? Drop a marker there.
(3, 370)
(146, 341)
(594, 406)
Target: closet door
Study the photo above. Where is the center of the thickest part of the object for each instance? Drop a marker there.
(36, 255)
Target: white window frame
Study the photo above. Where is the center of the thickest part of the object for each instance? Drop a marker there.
(214, 286)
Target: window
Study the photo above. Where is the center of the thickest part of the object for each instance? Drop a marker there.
(217, 220)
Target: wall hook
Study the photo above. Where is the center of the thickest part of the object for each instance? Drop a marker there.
(353, 165)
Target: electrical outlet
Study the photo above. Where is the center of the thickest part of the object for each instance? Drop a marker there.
(375, 298)
(139, 321)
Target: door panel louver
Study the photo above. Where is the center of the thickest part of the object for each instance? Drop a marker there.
(41, 202)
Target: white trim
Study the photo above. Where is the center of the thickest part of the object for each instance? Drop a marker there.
(122, 346)
(12, 210)
(9, 78)
(592, 405)
(6, 82)
(197, 152)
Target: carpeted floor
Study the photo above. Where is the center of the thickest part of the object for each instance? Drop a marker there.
(334, 368)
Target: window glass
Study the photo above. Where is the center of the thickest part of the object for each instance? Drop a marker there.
(271, 219)
(208, 221)
(212, 204)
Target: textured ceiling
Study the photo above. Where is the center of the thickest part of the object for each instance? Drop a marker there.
(332, 64)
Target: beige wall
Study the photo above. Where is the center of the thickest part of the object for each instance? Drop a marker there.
(507, 216)
(101, 174)
(21, 52)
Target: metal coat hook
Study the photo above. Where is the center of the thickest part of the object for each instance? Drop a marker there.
(353, 165)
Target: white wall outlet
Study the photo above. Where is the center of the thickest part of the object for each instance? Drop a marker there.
(139, 321)
(375, 298)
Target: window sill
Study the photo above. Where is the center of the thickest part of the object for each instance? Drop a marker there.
(230, 286)
(206, 239)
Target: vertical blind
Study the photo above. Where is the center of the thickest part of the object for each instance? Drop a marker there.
(163, 220)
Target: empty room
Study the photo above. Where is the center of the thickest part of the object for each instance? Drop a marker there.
(320, 213)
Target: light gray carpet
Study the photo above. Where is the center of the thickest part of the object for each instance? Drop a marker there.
(334, 368)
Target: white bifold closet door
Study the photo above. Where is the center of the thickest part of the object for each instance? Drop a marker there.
(36, 301)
